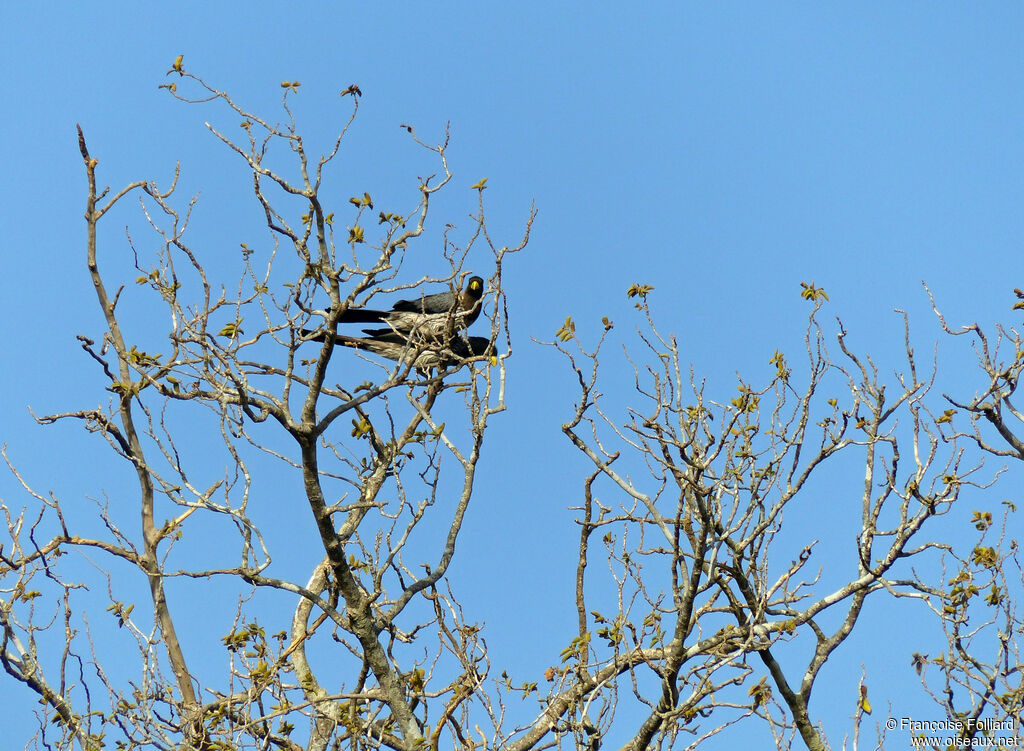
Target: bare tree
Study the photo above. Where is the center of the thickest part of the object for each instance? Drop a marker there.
(706, 569)
(980, 682)
(234, 351)
(695, 546)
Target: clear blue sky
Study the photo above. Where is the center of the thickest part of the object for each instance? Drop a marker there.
(723, 152)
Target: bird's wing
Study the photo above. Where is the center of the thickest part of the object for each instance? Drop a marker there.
(440, 302)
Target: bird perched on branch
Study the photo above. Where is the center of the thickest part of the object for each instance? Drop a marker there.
(417, 352)
(434, 316)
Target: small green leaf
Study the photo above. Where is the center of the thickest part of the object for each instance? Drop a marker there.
(812, 293)
(639, 290)
(567, 330)
(231, 330)
(360, 427)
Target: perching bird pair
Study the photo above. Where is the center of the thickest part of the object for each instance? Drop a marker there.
(423, 333)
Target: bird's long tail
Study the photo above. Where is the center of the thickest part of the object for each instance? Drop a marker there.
(363, 315)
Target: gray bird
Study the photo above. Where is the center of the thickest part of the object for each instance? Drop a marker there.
(432, 316)
(421, 353)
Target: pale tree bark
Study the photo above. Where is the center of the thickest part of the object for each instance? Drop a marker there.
(236, 358)
(707, 488)
(710, 605)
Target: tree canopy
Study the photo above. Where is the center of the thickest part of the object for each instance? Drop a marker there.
(702, 604)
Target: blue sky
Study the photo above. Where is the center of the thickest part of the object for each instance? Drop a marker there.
(723, 152)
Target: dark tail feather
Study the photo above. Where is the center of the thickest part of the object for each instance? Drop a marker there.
(317, 336)
(363, 315)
